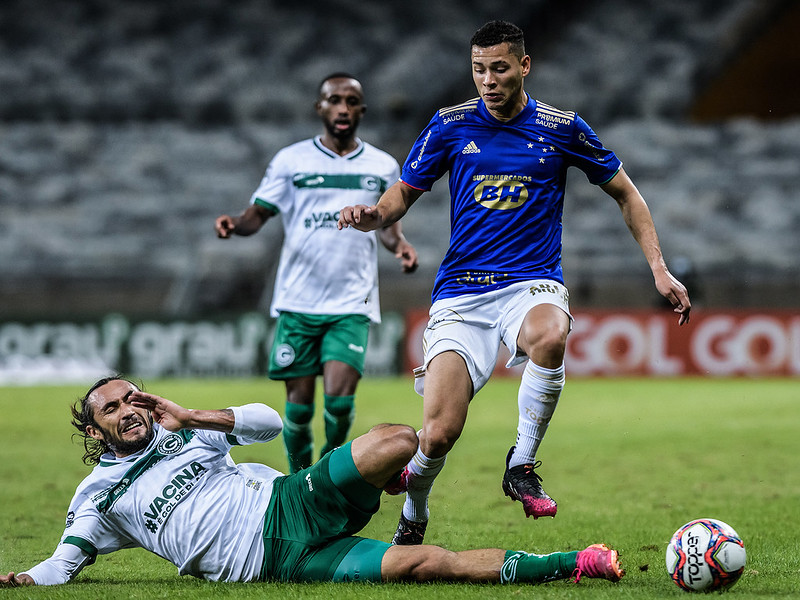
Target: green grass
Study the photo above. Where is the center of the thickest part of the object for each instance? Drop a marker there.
(629, 461)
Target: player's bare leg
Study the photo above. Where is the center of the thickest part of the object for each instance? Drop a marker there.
(493, 565)
(429, 563)
(448, 391)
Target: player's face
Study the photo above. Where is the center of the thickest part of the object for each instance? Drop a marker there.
(340, 106)
(125, 428)
(498, 74)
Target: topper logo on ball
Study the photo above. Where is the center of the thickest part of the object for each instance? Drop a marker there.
(694, 558)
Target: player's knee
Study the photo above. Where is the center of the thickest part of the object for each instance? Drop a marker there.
(545, 345)
(397, 441)
(404, 442)
(434, 563)
(440, 437)
(416, 563)
(552, 347)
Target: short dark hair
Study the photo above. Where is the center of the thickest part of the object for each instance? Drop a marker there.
(336, 75)
(83, 416)
(499, 32)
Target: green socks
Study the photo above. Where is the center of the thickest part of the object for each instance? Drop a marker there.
(297, 435)
(524, 567)
(339, 415)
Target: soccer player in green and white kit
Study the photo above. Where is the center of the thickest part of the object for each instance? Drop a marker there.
(326, 290)
(164, 481)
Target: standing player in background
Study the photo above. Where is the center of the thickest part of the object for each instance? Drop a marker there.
(501, 279)
(326, 289)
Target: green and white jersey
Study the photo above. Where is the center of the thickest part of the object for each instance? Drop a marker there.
(323, 270)
(182, 498)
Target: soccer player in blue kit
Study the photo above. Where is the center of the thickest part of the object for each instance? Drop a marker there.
(501, 279)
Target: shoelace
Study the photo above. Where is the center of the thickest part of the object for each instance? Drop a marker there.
(529, 469)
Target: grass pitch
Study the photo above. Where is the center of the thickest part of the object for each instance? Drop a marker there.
(628, 460)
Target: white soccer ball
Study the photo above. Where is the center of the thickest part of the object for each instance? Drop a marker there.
(705, 555)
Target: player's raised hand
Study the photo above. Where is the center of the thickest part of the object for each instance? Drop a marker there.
(361, 217)
(174, 417)
(166, 413)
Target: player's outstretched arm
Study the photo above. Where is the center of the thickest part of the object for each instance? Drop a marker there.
(640, 223)
(393, 204)
(250, 423)
(247, 223)
(65, 563)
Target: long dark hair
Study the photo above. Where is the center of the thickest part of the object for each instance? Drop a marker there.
(83, 416)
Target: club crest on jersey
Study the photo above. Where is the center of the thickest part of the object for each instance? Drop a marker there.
(371, 183)
(171, 444)
(501, 193)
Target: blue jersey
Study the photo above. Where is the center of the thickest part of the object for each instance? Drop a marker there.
(507, 182)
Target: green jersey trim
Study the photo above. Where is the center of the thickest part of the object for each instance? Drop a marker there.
(166, 447)
(232, 439)
(349, 181)
(331, 154)
(355, 154)
(81, 543)
(609, 179)
(269, 206)
(105, 463)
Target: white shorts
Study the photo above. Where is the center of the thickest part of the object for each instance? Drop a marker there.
(474, 325)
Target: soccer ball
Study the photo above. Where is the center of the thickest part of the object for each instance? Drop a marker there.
(705, 555)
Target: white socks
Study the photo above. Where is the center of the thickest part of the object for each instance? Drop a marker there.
(422, 472)
(539, 391)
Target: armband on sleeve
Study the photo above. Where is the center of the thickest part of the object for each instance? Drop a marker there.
(255, 423)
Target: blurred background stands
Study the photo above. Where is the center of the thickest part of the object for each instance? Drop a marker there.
(127, 127)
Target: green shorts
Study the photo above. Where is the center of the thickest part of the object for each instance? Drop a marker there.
(311, 522)
(303, 343)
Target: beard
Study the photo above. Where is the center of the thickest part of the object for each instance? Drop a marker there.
(122, 447)
(341, 134)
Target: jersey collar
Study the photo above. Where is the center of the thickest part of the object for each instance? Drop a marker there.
(330, 153)
(520, 117)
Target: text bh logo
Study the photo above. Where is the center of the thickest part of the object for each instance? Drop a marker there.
(501, 195)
